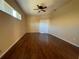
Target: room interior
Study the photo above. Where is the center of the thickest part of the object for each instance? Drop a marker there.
(60, 19)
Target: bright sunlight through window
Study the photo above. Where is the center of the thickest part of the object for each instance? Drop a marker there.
(5, 7)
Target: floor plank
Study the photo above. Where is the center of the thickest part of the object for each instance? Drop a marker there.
(42, 46)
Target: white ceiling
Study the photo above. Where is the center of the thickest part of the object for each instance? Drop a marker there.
(29, 5)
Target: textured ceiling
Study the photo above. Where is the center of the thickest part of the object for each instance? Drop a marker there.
(29, 5)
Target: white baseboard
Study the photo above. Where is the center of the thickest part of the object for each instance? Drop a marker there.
(67, 41)
(10, 47)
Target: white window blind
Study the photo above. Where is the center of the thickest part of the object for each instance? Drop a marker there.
(5, 7)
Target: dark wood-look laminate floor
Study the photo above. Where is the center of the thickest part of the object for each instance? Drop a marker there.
(42, 46)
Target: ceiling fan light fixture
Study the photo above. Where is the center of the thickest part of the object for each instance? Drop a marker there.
(41, 7)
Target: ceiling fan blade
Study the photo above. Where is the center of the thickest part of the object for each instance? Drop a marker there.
(35, 9)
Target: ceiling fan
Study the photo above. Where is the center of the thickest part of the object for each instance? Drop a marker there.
(41, 7)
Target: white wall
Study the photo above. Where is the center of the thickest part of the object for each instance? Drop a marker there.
(65, 23)
(11, 29)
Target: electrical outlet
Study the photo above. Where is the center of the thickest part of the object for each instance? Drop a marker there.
(74, 38)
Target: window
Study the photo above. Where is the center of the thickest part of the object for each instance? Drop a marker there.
(43, 26)
(5, 7)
